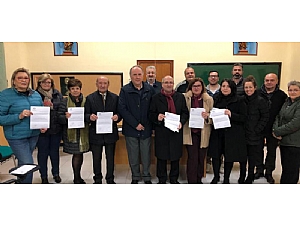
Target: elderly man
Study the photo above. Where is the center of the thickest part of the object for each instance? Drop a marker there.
(168, 144)
(134, 103)
(276, 98)
(189, 74)
(151, 78)
(102, 100)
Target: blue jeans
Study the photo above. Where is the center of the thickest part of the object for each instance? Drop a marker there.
(22, 149)
(48, 145)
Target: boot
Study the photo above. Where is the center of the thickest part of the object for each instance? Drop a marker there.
(249, 179)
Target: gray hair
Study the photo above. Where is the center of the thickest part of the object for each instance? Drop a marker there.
(151, 67)
(294, 83)
(134, 67)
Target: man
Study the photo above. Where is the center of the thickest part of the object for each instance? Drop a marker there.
(237, 77)
(151, 78)
(102, 100)
(276, 98)
(134, 103)
(213, 88)
(168, 144)
(189, 74)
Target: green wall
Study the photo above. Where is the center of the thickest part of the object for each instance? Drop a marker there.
(3, 80)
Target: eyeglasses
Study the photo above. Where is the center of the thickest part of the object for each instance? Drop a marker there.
(22, 78)
(47, 83)
(213, 76)
(196, 86)
(294, 90)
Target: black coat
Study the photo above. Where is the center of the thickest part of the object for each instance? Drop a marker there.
(232, 140)
(93, 105)
(168, 144)
(257, 118)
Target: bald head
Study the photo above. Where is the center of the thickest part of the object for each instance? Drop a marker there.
(102, 84)
(270, 82)
(168, 84)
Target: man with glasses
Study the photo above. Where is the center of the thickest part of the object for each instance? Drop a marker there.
(276, 98)
(151, 78)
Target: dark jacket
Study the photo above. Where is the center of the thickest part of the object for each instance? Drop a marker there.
(134, 107)
(157, 86)
(240, 88)
(182, 86)
(234, 143)
(93, 105)
(287, 123)
(275, 101)
(168, 144)
(257, 118)
(69, 147)
(55, 126)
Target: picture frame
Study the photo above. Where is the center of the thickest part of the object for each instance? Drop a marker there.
(245, 48)
(65, 48)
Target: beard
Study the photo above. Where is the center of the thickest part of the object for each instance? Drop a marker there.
(237, 76)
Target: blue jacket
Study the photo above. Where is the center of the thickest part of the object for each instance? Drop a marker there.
(12, 103)
(134, 109)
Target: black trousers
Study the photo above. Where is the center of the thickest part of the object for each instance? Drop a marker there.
(290, 162)
(97, 158)
(161, 170)
(270, 160)
(254, 157)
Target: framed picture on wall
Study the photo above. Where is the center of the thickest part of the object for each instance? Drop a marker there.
(65, 48)
(245, 48)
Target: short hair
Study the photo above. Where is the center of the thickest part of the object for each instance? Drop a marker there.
(139, 66)
(231, 84)
(213, 71)
(250, 78)
(44, 77)
(151, 67)
(294, 83)
(14, 74)
(193, 81)
(74, 82)
(188, 68)
(238, 64)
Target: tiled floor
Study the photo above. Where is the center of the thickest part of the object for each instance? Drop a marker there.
(122, 172)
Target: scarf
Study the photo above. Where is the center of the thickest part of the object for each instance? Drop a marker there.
(171, 105)
(46, 93)
(84, 132)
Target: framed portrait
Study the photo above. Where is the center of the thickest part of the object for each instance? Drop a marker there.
(245, 48)
(65, 48)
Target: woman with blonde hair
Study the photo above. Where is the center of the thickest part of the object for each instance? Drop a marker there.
(49, 139)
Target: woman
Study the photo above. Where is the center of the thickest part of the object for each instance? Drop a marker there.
(75, 141)
(15, 118)
(49, 140)
(257, 119)
(286, 128)
(196, 139)
(231, 141)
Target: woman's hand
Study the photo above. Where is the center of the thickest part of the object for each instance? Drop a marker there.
(25, 113)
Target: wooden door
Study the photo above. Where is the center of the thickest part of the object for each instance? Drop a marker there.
(163, 67)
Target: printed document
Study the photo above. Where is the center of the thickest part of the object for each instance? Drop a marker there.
(220, 120)
(172, 121)
(196, 120)
(104, 122)
(40, 118)
(77, 118)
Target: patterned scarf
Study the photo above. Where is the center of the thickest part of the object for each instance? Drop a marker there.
(46, 93)
(171, 105)
(84, 132)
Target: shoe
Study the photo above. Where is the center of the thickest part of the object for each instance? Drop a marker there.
(98, 182)
(258, 175)
(174, 182)
(215, 180)
(57, 179)
(226, 181)
(148, 182)
(110, 182)
(199, 182)
(269, 178)
(45, 181)
(249, 180)
(80, 181)
(241, 180)
(162, 182)
(134, 182)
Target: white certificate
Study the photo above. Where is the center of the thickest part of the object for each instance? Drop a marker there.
(216, 112)
(77, 117)
(172, 121)
(221, 121)
(40, 118)
(104, 122)
(196, 120)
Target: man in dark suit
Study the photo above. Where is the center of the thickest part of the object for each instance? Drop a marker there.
(102, 100)
(151, 78)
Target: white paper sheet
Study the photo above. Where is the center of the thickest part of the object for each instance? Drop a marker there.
(216, 112)
(172, 121)
(221, 121)
(77, 117)
(196, 120)
(104, 122)
(40, 118)
(22, 169)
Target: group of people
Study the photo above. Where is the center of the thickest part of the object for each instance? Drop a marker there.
(258, 116)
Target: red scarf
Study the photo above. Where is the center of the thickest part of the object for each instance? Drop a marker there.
(171, 105)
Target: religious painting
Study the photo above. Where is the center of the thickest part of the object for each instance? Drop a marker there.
(65, 48)
(245, 48)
